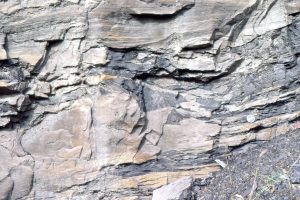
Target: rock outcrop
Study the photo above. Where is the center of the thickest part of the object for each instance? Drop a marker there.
(117, 99)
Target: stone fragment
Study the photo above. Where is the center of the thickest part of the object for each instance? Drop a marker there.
(3, 54)
(273, 16)
(95, 80)
(107, 77)
(39, 89)
(95, 56)
(28, 52)
(295, 175)
(71, 80)
(156, 121)
(206, 66)
(4, 121)
(10, 140)
(270, 133)
(7, 7)
(90, 4)
(6, 85)
(196, 107)
(250, 118)
(293, 6)
(11, 78)
(12, 105)
(190, 135)
(16, 167)
(6, 186)
(17, 100)
(115, 116)
(22, 177)
(236, 140)
(157, 98)
(179, 190)
(226, 62)
(62, 57)
(37, 3)
(147, 152)
(202, 63)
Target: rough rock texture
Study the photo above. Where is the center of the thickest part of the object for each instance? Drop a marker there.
(113, 99)
(180, 189)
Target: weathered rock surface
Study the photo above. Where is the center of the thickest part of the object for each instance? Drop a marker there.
(116, 99)
(295, 175)
(181, 189)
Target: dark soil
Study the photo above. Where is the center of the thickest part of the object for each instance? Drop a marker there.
(258, 171)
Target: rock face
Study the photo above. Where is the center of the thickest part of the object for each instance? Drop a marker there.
(116, 99)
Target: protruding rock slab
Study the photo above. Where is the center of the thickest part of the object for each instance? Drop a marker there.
(95, 56)
(93, 133)
(190, 135)
(134, 23)
(178, 190)
(114, 119)
(28, 52)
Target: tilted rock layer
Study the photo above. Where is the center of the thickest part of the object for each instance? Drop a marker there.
(113, 99)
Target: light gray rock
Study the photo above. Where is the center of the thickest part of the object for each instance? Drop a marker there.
(295, 175)
(178, 190)
(4, 121)
(35, 3)
(199, 63)
(95, 56)
(39, 89)
(22, 177)
(111, 21)
(65, 54)
(21, 51)
(3, 54)
(190, 135)
(293, 7)
(273, 16)
(16, 169)
(6, 186)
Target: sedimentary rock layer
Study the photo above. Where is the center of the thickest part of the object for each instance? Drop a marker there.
(115, 99)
